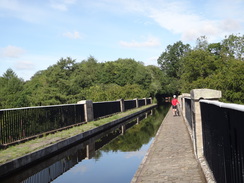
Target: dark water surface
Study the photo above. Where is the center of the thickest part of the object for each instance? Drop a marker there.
(113, 156)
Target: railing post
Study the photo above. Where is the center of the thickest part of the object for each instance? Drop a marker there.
(123, 129)
(137, 120)
(122, 105)
(88, 109)
(137, 102)
(150, 100)
(145, 101)
(90, 149)
(183, 105)
(196, 95)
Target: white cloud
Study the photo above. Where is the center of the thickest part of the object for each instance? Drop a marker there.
(21, 10)
(11, 51)
(150, 42)
(72, 35)
(230, 25)
(181, 18)
(190, 19)
(80, 169)
(139, 154)
(61, 5)
(24, 65)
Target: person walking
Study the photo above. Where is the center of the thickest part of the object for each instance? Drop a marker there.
(174, 103)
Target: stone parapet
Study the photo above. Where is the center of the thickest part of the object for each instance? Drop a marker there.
(88, 109)
(196, 96)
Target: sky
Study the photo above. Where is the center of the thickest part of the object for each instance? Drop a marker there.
(37, 34)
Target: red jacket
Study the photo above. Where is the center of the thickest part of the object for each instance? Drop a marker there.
(174, 101)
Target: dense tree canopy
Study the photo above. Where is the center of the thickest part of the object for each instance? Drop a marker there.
(215, 66)
(69, 81)
(11, 91)
(182, 68)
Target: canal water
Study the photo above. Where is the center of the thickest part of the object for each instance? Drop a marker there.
(113, 156)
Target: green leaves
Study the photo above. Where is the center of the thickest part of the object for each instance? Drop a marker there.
(11, 90)
(217, 66)
(169, 60)
(69, 81)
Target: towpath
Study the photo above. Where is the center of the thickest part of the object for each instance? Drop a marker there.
(170, 158)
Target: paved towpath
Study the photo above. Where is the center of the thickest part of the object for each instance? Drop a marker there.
(170, 158)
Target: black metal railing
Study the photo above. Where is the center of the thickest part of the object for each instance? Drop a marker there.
(105, 108)
(17, 124)
(148, 101)
(223, 140)
(188, 113)
(141, 102)
(21, 123)
(129, 104)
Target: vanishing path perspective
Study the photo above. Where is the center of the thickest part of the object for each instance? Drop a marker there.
(170, 158)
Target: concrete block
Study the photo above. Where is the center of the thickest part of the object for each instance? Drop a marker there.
(205, 93)
(88, 109)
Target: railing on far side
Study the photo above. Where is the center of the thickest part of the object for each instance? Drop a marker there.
(21, 123)
(101, 109)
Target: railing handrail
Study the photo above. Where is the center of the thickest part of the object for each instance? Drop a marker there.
(105, 102)
(33, 107)
(233, 106)
(187, 98)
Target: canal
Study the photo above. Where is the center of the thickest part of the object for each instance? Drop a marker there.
(113, 156)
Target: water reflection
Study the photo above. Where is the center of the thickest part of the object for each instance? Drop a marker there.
(112, 156)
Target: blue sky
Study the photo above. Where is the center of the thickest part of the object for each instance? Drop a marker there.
(36, 34)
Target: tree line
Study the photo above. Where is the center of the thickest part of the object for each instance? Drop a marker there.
(181, 68)
(217, 66)
(69, 81)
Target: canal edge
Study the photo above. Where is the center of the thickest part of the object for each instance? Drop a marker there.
(33, 157)
(141, 166)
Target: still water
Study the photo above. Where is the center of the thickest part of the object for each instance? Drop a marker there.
(113, 156)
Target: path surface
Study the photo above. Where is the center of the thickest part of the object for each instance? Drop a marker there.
(170, 158)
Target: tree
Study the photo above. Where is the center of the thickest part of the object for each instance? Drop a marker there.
(106, 92)
(169, 60)
(11, 90)
(215, 49)
(233, 47)
(230, 80)
(202, 43)
(197, 66)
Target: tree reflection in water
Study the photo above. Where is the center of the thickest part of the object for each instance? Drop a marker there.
(113, 156)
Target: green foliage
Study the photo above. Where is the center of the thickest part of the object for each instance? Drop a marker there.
(216, 66)
(230, 80)
(140, 134)
(198, 65)
(233, 46)
(170, 60)
(69, 81)
(108, 92)
(11, 90)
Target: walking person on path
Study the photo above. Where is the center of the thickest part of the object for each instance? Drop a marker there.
(174, 103)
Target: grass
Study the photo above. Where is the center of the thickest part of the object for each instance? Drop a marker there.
(19, 150)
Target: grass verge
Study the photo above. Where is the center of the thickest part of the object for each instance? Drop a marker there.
(19, 150)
